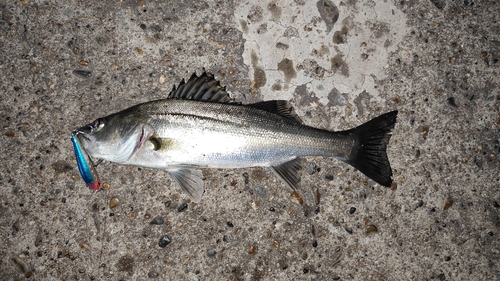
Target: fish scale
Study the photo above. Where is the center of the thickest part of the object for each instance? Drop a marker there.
(259, 133)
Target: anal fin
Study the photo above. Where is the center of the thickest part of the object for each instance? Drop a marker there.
(289, 173)
(190, 182)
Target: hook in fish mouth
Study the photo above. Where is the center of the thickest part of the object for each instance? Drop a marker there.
(83, 130)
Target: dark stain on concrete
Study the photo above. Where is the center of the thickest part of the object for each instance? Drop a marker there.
(338, 64)
(362, 101)
(275, 10)
(340, 37)
(276, 87)
(244, 26)
(126, 264)
(259, 75)
(336, 98)
(328, 12)
(286, 66)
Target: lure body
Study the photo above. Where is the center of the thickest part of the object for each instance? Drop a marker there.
(85, 165)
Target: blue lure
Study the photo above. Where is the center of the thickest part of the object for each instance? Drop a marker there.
(85, 165)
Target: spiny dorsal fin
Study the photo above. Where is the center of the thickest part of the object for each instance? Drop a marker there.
(202, 88)
(279, 107)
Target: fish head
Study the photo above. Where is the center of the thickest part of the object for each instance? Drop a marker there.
(116, 137)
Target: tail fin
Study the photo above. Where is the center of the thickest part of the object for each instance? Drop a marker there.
(369, 154)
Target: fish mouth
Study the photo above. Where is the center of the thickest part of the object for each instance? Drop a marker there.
(83, 130)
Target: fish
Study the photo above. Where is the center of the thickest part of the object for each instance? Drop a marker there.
(200, 126)
(85, 164)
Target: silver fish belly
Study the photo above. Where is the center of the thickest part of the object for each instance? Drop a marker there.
(198, 126)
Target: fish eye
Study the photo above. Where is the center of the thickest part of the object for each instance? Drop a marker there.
(98, 124)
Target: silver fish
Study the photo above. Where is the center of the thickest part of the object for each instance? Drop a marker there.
(198, 126)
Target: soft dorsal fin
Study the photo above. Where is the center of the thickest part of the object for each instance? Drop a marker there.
(279, 107)
(202, 88)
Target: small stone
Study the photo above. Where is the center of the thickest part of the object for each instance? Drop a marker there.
(162, 78)
(420, 203)
(447, 258)
(315, 243)
(451, 101)
(329, 177)
(158, 221)
(371, 229)
(304, 256)
(282, 46)
(364, 56)
(448, 203)
(348, 229)
(311, 168)
(297, 198)
(246, 177)
(230, 224)
(84, 62)
(260, 191)
(82, 73)
(352, 210)
(139, 51)
(251, 250)
(113, 202)
(164, 241)
(153, 274)
(20, 265)
(211, 253)
(183, 207)
(105, 185)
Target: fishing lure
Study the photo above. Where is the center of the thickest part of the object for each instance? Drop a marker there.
(85, 164)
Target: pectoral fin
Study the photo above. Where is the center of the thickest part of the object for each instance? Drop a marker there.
(289, 173)
(189, 180)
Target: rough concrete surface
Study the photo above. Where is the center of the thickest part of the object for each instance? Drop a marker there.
(339, 63)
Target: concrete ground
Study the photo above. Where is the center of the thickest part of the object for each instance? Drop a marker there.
(339, 63)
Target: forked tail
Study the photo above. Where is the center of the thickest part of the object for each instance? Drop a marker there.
(369, 154)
